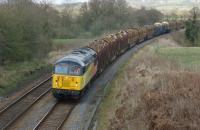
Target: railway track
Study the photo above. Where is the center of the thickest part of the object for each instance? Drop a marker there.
(13, 111)
(55, 118)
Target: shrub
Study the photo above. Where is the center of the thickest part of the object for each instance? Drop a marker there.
(24, 31)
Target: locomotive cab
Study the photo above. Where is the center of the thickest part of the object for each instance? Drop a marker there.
(72, 73)
(67, 75)
(69, 68)
(158, 30)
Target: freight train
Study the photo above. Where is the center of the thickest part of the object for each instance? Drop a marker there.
(73, 73)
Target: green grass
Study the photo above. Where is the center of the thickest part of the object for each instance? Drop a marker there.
(188, 56)
(14, 75)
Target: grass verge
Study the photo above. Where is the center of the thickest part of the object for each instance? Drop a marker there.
(156, 90)
(14, 75)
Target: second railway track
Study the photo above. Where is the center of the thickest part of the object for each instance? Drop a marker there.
(55, 118)
(14, 110)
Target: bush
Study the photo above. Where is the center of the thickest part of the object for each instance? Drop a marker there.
(192, 32)
(24, 33)
(193, 27)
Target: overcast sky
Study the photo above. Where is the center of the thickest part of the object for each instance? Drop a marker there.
(64, 1)
(74, 1)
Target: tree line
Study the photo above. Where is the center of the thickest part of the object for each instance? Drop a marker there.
(26, 27)
(25, 30)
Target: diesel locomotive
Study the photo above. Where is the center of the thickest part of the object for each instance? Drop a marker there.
(73, 73)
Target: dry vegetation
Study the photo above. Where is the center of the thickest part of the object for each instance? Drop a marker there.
(174, 105)
(152, 92)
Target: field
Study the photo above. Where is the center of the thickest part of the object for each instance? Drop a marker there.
(13, 76)
(158, 89)
(188, 57)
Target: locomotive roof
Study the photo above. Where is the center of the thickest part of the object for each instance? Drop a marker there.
(158, 24)
(165, 22)
(82, 56)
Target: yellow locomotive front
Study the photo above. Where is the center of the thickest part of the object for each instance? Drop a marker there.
(73, 73)
(68, 76)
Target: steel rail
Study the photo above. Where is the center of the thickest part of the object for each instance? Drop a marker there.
(13, 111)
(62, 117)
